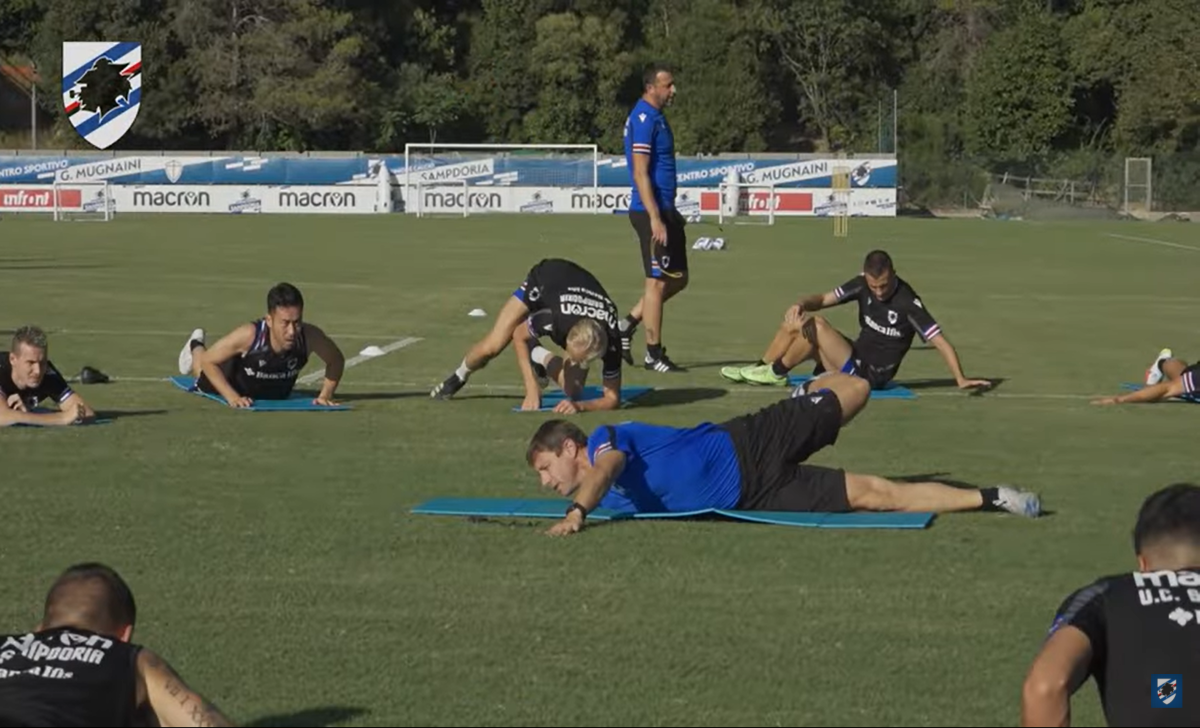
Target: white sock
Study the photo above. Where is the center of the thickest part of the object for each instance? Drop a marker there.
(540, 355)
(463, 371)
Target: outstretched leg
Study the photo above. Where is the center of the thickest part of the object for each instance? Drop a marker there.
(873, 493)
(489, 347)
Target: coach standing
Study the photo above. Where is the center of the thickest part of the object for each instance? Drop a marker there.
(650, 156)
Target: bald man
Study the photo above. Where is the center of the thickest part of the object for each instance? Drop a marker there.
(78, 666)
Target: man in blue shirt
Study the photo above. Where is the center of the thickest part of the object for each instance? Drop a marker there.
(650, 156)
(752, 462)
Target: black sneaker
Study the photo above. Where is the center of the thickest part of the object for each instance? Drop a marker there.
(662, 364)
(627, 345)
(543, 377)
(448, 388)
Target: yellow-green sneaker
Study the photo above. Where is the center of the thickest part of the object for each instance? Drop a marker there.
(733, 374)
(763, 374)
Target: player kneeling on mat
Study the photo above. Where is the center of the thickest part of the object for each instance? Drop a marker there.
(752, 462)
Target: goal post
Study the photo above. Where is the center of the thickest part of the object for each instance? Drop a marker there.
(1138, 196)
(83, 201)
(468, 179)
(747, 204)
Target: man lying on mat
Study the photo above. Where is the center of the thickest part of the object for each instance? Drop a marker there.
(1166, 378)
(27, 378)
(262, 359)
(563, 302)
(891, 314)
(752, 462)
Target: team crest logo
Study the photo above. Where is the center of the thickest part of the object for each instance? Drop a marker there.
(102, 89)
(174, 170)
(1168, 691)
(893, 317)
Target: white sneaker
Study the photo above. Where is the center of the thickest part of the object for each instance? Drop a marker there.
(1019, 502)
(1154, 373)
(185, 354)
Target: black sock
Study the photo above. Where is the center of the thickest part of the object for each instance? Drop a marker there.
(654, 350)
(990, 496)
(779, 369)
(194, 344)
(630, 324)
(761, 363)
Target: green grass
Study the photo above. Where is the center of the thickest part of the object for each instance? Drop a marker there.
(277, 566)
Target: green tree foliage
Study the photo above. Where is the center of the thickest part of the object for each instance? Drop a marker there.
(1018, 94)
(1038, 86)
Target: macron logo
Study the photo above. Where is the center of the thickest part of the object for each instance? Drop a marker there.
(642, 118)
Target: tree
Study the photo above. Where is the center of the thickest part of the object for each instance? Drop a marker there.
(1018, 95)
(722, 102)
(837, 51)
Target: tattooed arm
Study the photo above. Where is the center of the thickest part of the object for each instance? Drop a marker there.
(173, 702)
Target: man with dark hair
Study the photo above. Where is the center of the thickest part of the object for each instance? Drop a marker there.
(1167, 378)
(564, 302)
(650, 156)
(28, 377)
(262, 359)
(79, 668)
(752, 462)
(1137, 634)
(890, 314)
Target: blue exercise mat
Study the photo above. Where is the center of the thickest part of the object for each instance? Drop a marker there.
(552, 398)
(42, 411)
(298, 402)
(556, 508)
(1135, 386)
(891, 391)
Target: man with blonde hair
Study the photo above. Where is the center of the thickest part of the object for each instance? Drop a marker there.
(564, 302)
(28, 377)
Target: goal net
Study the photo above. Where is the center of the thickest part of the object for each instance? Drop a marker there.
(745, 203)
(468, 179)
(83, 201)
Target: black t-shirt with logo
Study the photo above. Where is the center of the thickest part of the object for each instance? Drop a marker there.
(262, 373)
(888, 326)
(1145, 634)
(559, 294)
(67, 677)
(53, 385)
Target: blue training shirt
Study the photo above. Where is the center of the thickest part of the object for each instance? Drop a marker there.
(647, 132)
(669, 469)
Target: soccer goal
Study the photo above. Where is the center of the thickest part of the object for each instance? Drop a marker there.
(83, 201)
(468, 179)
(747, 204)
(1139, 198)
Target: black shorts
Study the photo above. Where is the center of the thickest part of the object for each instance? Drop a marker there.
(229, 369)
(659, 261)
(878, 375)
(771, 445)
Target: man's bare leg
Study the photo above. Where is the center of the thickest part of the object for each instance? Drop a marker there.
(649, 311)
(816, 339)
(512, 315)
(873, 493)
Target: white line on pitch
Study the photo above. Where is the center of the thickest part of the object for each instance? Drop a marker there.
(151, 332)
(1152, 241)
(516, 388)
(360, 358)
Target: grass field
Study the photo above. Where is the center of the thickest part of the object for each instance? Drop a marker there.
(277, 565)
